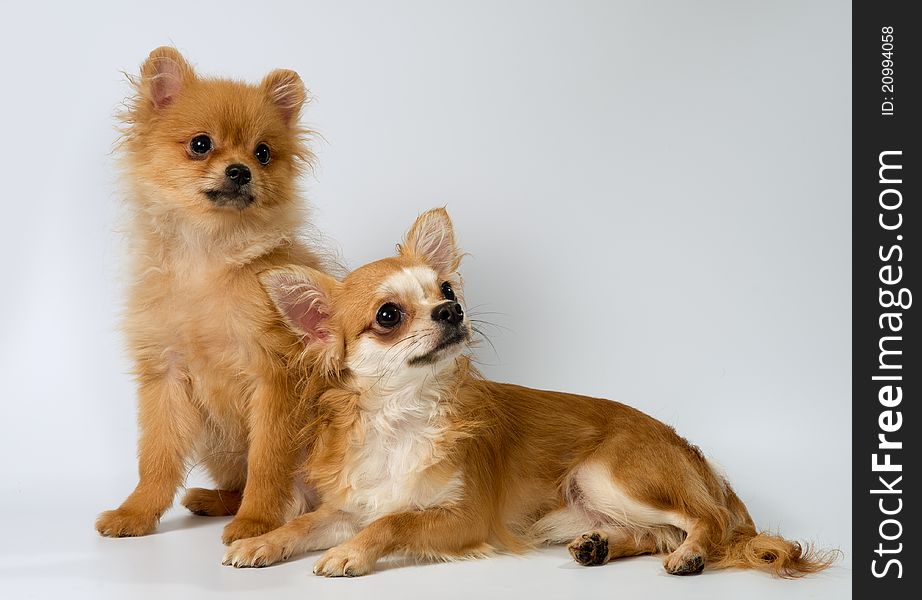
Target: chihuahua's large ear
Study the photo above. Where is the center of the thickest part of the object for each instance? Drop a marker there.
(432, 238)
(302, 296)
(287, 92)
(163, 76)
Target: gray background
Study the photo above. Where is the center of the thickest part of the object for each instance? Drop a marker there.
(655, 196)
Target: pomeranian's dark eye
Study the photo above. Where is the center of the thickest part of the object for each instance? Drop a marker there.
(200, 145)
(262, 154)
(447, 292)
(388, 316)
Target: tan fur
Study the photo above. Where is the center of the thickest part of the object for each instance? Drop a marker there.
(209, 350)
(535, 466)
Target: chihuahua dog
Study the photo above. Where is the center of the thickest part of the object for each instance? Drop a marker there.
(412, 452)
(211, 167)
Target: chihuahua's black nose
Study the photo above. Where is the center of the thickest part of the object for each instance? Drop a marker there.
(239, 174)
(450, 312)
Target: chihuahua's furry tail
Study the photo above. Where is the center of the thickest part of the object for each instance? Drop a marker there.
(749, 549)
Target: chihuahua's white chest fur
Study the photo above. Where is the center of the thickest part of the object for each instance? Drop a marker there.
(390, 469)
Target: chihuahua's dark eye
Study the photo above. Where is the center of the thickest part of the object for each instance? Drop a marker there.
(447, 292)
(262, 154)
(388, 316)
(200, 145)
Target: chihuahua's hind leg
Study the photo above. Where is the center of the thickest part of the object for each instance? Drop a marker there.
(212, 503)
(602, 545)
(690, 556)
(630, 526)
(686, 525)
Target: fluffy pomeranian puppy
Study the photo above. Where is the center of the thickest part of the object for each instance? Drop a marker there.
(211, 169)
(412, 452)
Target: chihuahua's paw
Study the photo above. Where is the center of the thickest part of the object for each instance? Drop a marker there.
(590, 549)
(212, 503)
(242, 528)
(344, 561)
(684, 561)
(123, 522)
(254, 552)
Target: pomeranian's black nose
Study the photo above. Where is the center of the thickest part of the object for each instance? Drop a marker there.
(450, 312)
(239, 174)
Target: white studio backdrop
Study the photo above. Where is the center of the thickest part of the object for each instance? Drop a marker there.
(655, 197)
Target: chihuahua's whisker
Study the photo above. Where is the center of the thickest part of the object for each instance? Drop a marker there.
(410, 350)
(479, 332)
(491, 324)
(480, 315)
(387, 368)
(393, 353)
(482, 363)
(405, 353)
(406, 339)
(476, 306)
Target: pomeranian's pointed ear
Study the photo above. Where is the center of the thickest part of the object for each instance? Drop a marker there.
(432, 238)
(302, 296)
(287, 92)
(163, 76)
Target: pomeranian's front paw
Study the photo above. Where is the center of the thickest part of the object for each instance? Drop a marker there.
(344, 561)
(242, 528)
(123, 522)
(254, 552)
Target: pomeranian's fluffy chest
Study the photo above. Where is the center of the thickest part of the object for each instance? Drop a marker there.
(200, 316)
(196, 317)
(396, 458)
